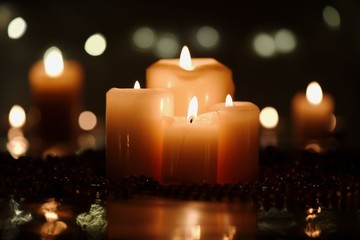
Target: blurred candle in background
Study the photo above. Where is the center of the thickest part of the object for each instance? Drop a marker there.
(238, 156)
(312, 116)
(57, 90)
(134, 130)
(206, 78)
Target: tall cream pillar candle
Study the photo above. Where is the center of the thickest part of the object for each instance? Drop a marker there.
(206, 78)
(238, 156)
(134, 131)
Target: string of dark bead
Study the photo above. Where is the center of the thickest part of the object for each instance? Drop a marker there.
(295, 180)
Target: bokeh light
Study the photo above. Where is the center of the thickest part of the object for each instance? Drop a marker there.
(264, 45)
(167, 46)
(208, 37)
(95, 45)
(144, 38)
(17, 116)
(17, 28)
(331, 17)
(269, 117)
(87, 120)
(285, 41)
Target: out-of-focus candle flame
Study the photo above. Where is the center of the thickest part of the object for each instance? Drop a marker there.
(51, 216)
(192, 110)
(53, 61)
(185, 59)
(314, 93)
(17, 116)
(137, 85)
(228, 101)
(269, 117)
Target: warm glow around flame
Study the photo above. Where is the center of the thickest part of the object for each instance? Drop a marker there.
(196, 232)
(185, 59)
(53, 61)
(17, 116)
(228, 101)
(314, 93)
(51, 216)
(137, 85)
(192, 110)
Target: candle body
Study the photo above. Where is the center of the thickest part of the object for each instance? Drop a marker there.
(311, 122)
(134, 131)
(238, 156)
(210, 81)
(58, 101)
(190, 150)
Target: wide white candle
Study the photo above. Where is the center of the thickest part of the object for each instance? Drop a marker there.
(238, 156)
(190, 148)
(311, 115)
(206, 78)
(134, 131)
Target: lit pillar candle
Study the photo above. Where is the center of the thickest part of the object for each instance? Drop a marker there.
(190, 148)
(56, 88)
(311, 115)
(134, 131)
(206, 78)
(238, 156)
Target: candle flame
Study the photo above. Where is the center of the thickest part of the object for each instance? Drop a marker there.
(193, 109)
(17, 116)
(314, 93)
(53, 61)
(185, 59)
(228, 101)
(137, 85)
(51, 216)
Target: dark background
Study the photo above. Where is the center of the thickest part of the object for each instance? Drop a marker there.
(329, 56)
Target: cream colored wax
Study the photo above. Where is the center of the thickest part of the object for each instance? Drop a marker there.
(311, 121)
(134, 131)
(190, 149)
(206, 78)
(238, 156)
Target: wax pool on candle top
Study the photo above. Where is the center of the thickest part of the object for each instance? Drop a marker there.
(190, 148)
(238, 156)
(311, 115)
(206, 78)
(134, 131)
(56, 88)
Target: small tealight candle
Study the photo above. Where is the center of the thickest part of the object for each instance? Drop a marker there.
(312, 115)
(134, 130)
(238, 156)
(57, 87)
(190, 147)
(206, 78)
